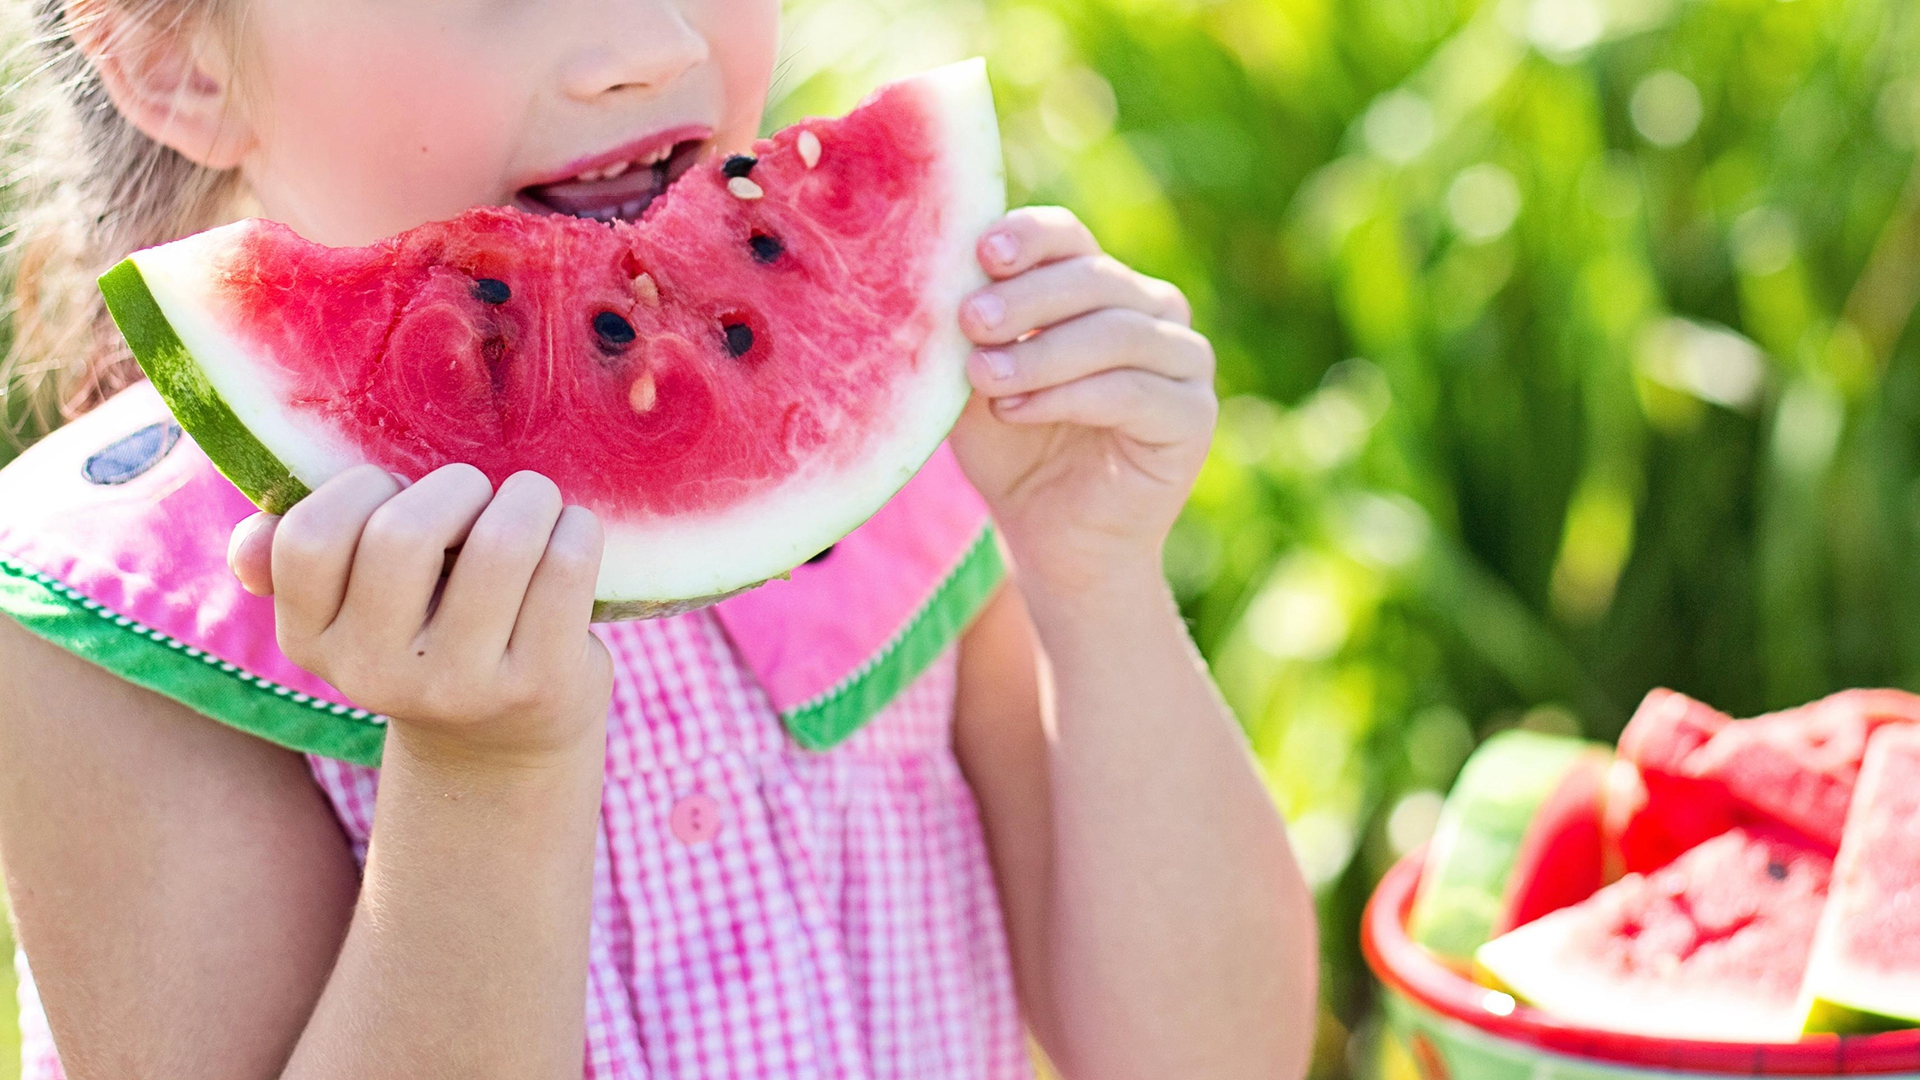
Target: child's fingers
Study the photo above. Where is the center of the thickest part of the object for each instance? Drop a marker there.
(1046, 295)
(1148, 408)
(312, 553)
(559, 600)
(402, 551)
(250, 553)
(489, 581)
(1110, 338)
(1033, 236)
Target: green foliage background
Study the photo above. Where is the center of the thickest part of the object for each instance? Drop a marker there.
(1563, 348)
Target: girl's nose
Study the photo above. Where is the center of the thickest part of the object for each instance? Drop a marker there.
(645, 46)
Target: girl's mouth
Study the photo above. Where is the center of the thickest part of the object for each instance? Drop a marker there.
(617, 191)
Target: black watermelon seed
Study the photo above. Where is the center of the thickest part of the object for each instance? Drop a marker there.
(822, 557)
(739, 339)
(738, 165)
(766, 248)
(492, 291)
(1777, 871)
(613, 330)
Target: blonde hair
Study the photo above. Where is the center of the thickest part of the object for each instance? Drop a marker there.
(86, 188)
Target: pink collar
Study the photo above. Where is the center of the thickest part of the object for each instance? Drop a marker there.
(113, 538)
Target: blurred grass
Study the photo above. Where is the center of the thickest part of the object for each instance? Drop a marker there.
(1564, 353)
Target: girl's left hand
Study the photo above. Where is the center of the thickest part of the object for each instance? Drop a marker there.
(1093, 405)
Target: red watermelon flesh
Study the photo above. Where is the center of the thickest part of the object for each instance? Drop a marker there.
(1655, 810)
(1796, 768)
(732, 383)
(1666, 728)
(1713, 946)
(1865, 972)
(1559, 862)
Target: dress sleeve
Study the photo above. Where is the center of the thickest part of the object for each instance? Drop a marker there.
(113, 535)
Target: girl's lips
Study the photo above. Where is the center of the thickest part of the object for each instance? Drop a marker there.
(636, 150)
(627, 194)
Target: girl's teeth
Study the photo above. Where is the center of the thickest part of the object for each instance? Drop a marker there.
(658, 156)
(614, 170)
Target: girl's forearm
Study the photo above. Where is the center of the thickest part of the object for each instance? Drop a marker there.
(1181, 936)
(467, 955)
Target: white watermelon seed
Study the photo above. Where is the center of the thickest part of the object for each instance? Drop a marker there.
(744, 188)
(809, 146)
(646, 289)
(642, 394)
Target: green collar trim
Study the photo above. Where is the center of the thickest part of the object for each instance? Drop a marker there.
(151, 658)
(824, 721)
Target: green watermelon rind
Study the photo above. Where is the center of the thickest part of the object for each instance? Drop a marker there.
(1482, 826)
(184, 386)
(1842, 1019)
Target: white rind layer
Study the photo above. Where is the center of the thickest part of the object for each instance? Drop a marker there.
(1534, 963)
(691, 556)
(1876, 845)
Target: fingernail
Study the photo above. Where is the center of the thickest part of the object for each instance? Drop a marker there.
(242, 533)
(999, 364)
(988, 310)
(401, 480)
(1003, 247)
(1011, 401)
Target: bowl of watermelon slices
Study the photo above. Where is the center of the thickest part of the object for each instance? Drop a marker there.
(1711, 897)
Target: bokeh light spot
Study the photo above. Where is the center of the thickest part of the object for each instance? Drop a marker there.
(1666, 108)
(1484, 202)
(1399, 126)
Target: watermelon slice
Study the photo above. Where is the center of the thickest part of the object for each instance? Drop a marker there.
(1518, 837)
(1713, 946)
(1702, 772)
(1865, 971)
(732, 383)
(1655, 809)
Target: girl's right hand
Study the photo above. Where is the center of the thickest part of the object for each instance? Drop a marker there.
(493, 665)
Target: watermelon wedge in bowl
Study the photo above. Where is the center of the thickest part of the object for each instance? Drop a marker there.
(733, 382)
(1442, 1025)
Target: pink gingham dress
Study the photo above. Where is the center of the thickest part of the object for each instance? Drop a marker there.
(760, 909)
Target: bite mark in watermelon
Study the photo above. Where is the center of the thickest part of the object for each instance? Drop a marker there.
(1518, 836)
(732, 383)
(1865, 971)
(1713, 946)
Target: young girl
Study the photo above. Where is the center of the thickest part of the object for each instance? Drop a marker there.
(599, 837)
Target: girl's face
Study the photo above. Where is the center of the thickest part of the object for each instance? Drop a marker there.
(369, 117)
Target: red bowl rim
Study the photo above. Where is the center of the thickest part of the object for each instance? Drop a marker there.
(1411, 971)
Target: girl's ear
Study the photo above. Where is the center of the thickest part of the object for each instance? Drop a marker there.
(171, 80)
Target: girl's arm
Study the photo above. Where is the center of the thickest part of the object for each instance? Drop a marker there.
(1160, 924)
(185, 897)
(181, 886)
